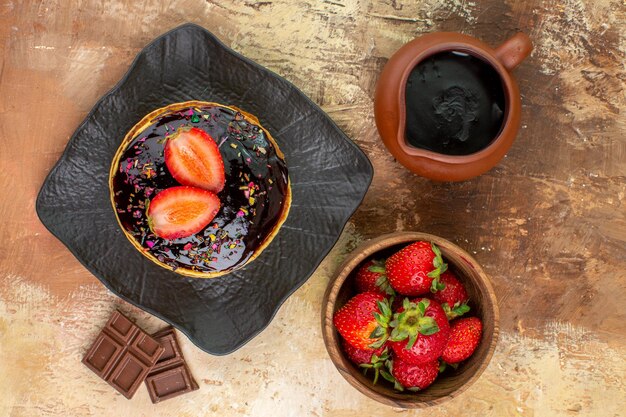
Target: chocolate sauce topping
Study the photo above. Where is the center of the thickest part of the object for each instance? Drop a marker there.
(253, 199)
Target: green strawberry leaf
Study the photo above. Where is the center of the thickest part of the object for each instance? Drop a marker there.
(380, 342)
(383, 321)
(429, 330)
(414, 389)
(398, 335)
(376, 333)
(400, 317)
(434, 273)
(460, 310)
(377, 269)
(394, 335)
(426, 321)
(398, 386)
(438, 263)
(385, 309)
(411, 342)
(423, 305)
(436, 285)
(436, 250)
(383, 283)
(387, 376)
(389, 290)
(427, 326)
(442, 366)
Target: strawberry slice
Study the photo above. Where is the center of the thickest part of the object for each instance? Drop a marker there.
(181, 211)
(193, 158)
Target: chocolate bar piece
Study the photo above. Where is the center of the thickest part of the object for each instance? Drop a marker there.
(170, 377)
(123, 354)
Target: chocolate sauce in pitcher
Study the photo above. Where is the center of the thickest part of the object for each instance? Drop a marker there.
(455, 104)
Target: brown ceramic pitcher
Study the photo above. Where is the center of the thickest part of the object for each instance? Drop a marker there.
(390, 104)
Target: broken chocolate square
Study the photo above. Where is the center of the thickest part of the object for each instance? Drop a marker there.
(170, 377)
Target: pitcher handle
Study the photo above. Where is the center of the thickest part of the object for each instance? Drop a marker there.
(514, 50)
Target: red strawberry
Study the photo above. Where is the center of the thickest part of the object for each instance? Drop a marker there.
(363, 320)
(453, 297)
(371, 277)
(178, 212)
(415, 269)
(420, 331)
(412, 377)
(465, 336)
(367, 358)
(193, 159)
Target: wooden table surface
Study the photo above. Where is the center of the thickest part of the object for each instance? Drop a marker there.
(548, 223)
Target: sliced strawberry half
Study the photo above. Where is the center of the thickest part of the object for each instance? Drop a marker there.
(179, 212)
(193, 158)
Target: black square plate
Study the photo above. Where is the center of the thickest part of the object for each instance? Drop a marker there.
(329, 177)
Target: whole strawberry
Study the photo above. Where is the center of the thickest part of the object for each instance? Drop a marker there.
(415, 269)
(363, 320)
(453, 296)
(367, 358)
(371, 277)
(420, 331)
(464, 338)
(410, 376)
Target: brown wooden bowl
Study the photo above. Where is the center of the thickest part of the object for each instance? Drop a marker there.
(482, 302)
